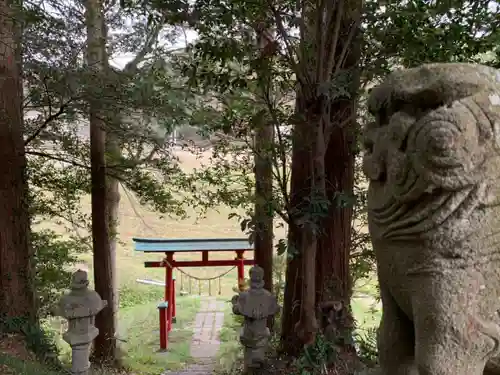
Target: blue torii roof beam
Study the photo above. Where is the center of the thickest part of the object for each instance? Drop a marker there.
(164, 245)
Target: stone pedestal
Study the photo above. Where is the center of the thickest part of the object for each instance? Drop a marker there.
(79, 307)
(256, 305)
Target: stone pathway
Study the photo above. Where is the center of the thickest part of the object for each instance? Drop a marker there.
(205, 342)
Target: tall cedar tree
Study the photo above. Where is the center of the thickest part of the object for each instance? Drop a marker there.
(16, 287)
(264, 138)
(332, 280)
(105, 350)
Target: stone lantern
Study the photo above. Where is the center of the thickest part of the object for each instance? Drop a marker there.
(256, 305)
(79, 307)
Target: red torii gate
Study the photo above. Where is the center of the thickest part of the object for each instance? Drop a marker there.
(189, 245)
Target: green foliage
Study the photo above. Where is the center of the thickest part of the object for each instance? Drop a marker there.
(410, 33)
(144, 101)
(311, 211)
(242, 90)
(55, 190)
(366, 343)
(53, 255)
(38, 339)
(419, 32)
(315, 358)
(279, 277)
(55, 194)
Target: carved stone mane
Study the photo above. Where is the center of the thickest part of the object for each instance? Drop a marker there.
(432, 155)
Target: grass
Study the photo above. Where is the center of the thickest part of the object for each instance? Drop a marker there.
(10, 365)
(365, 310)
(138, 333)
(230, 348)
(139, 330)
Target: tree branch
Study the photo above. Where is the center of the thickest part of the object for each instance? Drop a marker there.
(284, 177)
(334, 24)
(56, 158)
(70, 162)
(283, 181)
(347, 43)
(284, 35)
(47, 121)
(320, 42)
(152, 36)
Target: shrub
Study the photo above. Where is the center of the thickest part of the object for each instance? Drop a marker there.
(53, 256)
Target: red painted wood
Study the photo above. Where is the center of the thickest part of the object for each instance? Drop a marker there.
(241, 269)
(167, 314)
(213, 263)
(165, 294)
(163, 329)
(169, 286)
(173, 299)
(200, 263)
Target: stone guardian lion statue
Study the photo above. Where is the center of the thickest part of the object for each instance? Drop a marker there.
(433, 164)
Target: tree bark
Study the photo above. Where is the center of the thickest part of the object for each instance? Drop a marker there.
(299, 191)
(17, 296)
(105, 343)
(333, 244)
(263, 164)
(332, 276)
(113, 151)
(264, 214)
(332, 272)
(310, 106)
(263, 201)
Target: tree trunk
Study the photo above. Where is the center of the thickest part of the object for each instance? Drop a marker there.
(333, 246)
(332, 260)
(290, 342)
(105, 343)
(310, 107)
(263, 200)
(332, 273)
(299, 191)
(113, 157)
(17, 297)
(263, 161)
(333, 279)
(113, 216)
